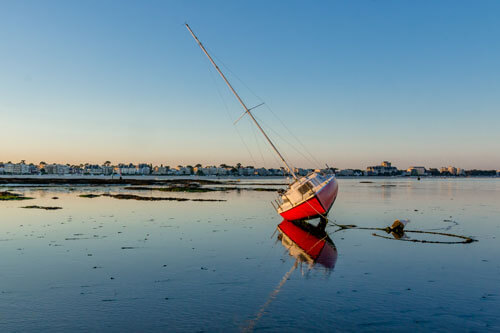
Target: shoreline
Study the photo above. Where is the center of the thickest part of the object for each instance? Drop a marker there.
(8, 180)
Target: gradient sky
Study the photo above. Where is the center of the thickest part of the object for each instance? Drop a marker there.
(358, 82)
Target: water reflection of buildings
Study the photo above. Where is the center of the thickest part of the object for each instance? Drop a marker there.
(308, 243)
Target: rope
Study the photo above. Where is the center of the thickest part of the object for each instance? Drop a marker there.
(466, 239)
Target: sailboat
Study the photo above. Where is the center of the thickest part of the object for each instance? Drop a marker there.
(307, 197)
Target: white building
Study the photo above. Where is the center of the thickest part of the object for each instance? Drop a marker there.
(262, 172)
(449, 169)
(181, 171)
(143, 169)
(211, 171)
(300, 171)
(329, 171)
(206, 171)
(276, 172)
(57, 169)
(385, 168)
(93, 169)
(416, 171)
(50, 169)
(16, 169)
(223, 171)
(246, 171)
(127, 169)
(9, 168)
(346, 172)
(33, 169)
(160, 170)
(62, 169)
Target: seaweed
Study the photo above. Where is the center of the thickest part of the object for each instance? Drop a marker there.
(89, 195)
(262, 189)
(186, 189)
(4, 196)
(191, 189)
(141, 198)
(197, 189)
(41, 207)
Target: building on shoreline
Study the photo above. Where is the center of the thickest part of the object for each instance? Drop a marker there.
(416, 171)
(16, 169)
(384, 169)
(57, 169)
(160, 170)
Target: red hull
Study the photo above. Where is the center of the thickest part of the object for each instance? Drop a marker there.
(318, 205)
(328, 194)
(308, 209)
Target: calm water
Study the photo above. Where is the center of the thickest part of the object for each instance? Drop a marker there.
(104, 264)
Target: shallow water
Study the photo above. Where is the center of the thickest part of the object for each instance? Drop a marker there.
(104, 264)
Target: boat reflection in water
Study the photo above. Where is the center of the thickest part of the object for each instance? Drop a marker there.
(308, 243)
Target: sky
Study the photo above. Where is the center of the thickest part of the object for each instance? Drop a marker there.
(345, 83)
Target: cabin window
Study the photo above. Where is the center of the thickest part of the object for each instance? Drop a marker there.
(305, 188)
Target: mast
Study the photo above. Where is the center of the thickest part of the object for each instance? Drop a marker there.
(247, 110)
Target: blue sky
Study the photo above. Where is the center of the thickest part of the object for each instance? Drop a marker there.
(413, 82)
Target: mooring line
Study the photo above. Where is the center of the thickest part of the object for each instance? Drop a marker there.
(466, 239)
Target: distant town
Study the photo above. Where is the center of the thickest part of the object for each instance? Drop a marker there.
(238, 170)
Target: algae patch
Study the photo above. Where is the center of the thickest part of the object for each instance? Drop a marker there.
(4, 196)
(41, 207)
(198, 189)
(190, 189)
(141, 198)
(186, 189)
(89, 195)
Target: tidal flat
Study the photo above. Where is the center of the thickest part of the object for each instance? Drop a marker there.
(216, 262)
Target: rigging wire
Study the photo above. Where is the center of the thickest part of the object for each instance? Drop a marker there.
(286, 141)
(228, 113)
(316, 162)
(219, 61)
(256, 142)
(241, 101)
(295, 137)
(272, 152)
(275, 158)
